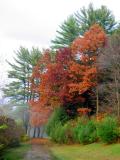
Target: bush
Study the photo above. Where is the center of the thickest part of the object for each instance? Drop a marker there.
(83, 130)
(107, 130)
(2, 151)
(62, 133)
(9, 133)
(76, 131)
(85, 133)
(58, 128)
(24, 138)
(59, 134)
(15, 142)
(58, 117)
(4, 126)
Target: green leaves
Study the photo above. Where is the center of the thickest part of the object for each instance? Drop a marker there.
(20, 73)
(102, 16)
(4, 126)
(69, 30)
(107, 130)
(80, 22)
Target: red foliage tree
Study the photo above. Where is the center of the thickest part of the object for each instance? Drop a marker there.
(67, 81)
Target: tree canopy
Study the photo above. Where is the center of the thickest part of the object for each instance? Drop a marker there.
(68, 31)
(80, 22)
(86, 17)
(19, 89)
(67, 80)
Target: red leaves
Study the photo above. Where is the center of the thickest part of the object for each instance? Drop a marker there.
(66, 79)
(64, 55)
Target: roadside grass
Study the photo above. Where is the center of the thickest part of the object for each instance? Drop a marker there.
(95, 151)
(16, 153)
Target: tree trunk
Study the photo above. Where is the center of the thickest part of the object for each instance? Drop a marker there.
(24, 89)
(34, 133)
(117, 95)
(38, 132)
(97, 101)
(28, 131)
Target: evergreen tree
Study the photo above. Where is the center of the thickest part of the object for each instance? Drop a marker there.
(69, 30)
(19, 89)
(78, 23)
(102, 16)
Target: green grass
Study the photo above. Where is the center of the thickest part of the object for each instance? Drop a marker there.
(93, 151)
(16, 153)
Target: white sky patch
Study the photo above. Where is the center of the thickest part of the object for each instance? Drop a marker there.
(34, 23)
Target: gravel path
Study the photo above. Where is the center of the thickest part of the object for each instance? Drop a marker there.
(38, 152)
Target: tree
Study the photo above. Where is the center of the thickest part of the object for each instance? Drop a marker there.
(81, 21)
(109, 64)
(88, 49)
(102, 16)
(67, 81)
(68, 31)
(19, 89)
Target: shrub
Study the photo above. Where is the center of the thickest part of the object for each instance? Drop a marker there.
(2, 148)
(107, 130)
(4, 126)
(14, 142)
(62, 133)
(10, 133)
(76, 131)
(24, 138)
(85, 133)
(58, 117)
(59, 133)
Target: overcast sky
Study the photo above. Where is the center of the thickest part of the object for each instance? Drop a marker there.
(34, 23)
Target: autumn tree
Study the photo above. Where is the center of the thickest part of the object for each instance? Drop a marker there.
(87, 48)
(68, 79)
(39, 114)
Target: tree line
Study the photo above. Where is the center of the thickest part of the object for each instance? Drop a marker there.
(80, 70)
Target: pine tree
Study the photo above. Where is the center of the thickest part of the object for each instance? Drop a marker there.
(80, 22)
(19, 89)
(69, 30)
(102, 16)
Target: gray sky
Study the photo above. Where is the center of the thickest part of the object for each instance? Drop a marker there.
(34, 23)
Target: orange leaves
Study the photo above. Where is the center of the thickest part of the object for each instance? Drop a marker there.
(76, 68)
(39, 115)
(68, 79)
(40, 141)
(90, 42)
(83, 110)
(78, 45)
(100, 116)
(83, 77)
(79, 87)
(85, 72)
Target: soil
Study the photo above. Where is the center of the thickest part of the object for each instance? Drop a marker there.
(38, 151)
